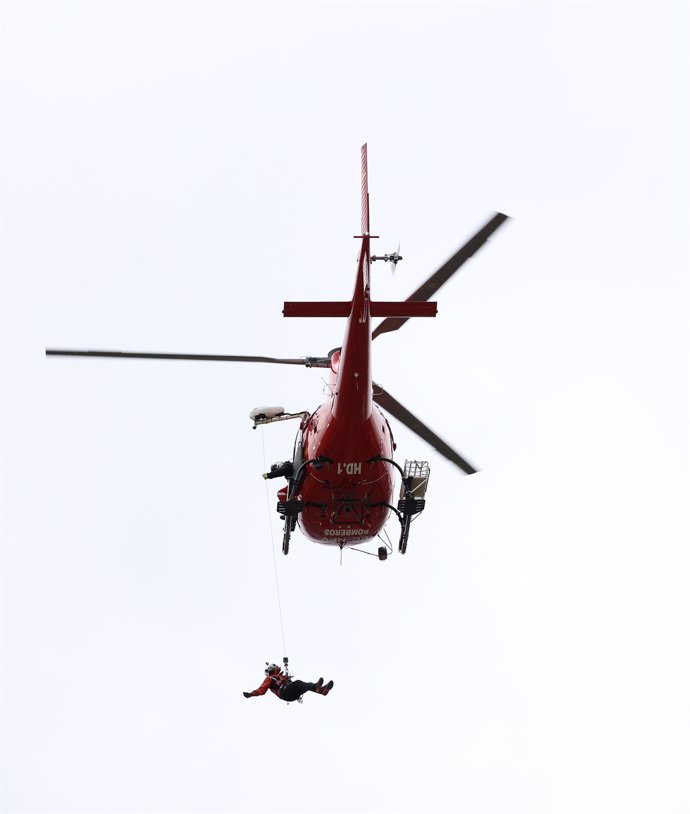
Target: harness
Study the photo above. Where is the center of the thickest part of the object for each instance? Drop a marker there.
(282, 680)
(278, 682)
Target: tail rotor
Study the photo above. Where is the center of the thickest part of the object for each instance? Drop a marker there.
(394, 258)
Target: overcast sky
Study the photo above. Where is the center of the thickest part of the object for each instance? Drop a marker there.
(171, 172)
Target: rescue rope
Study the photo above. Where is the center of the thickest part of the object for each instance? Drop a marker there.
(273, 549)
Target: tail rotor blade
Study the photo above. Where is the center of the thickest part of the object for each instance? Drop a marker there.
(443, 274)
(395, 258)
(404, 416)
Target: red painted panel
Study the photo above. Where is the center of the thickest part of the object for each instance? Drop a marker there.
(340, 497)
(403, 309)
(317, 309)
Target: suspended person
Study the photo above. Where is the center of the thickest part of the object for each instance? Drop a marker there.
(280, 684)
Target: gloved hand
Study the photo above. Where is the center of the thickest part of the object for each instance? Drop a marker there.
(247, 694)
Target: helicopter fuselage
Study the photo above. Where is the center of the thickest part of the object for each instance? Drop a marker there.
(346, 495)
(345, 488)
(342, 483)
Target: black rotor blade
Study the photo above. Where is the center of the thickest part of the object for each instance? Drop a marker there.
(117, 354)
(395, 408)
(438, 278)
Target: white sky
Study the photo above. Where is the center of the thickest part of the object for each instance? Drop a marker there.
(171, 172)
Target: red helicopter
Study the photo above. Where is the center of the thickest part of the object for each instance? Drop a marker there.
(340, 481)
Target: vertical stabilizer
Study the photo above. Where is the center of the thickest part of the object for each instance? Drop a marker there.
(365, 192)
(353, 390)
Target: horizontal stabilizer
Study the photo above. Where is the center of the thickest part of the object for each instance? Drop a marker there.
(405, 309)
(317, 309)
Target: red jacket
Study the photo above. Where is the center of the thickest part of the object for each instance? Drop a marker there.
(274, 683)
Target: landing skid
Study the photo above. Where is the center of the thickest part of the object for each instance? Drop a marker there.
(406, 522)
(415, 479)
(289, 509)
(287, 531)
(408, 507)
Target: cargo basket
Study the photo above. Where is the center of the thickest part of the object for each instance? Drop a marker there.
(419, 472)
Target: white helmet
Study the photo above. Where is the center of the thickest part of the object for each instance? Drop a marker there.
(271, 669)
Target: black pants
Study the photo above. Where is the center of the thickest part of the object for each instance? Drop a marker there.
(295, 689)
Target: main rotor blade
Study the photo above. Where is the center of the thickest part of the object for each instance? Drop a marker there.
(395, 408)
(438, 278)
(308, 361)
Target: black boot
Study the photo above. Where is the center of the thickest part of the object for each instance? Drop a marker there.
(327, 688)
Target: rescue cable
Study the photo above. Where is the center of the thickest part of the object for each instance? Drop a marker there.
(273, 551)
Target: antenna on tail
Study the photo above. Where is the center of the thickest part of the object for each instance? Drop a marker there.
(365, 192)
